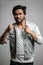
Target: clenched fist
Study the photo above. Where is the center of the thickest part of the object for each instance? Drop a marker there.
(27, 29)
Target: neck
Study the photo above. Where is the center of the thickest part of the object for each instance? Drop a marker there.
(23, 23)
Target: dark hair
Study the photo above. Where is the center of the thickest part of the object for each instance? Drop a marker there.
(19, 7)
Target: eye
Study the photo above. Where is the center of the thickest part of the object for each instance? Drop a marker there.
(20, 13)
(15, 14)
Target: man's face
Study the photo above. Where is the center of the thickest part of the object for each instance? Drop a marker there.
(19, 15)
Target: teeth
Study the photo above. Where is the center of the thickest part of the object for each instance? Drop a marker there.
(19, 20)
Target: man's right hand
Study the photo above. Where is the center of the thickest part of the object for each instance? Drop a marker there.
(5, 34)
(10, 27)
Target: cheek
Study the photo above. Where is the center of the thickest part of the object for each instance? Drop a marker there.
(22, 16)
(15, 17)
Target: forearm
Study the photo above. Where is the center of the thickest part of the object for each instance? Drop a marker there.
(4, 36)
(34, 36)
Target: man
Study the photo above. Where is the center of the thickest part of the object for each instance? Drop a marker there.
(22, 36)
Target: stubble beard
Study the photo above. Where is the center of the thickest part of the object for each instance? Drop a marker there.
(19, 20)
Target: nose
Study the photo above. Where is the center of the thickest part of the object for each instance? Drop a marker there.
(18, 16)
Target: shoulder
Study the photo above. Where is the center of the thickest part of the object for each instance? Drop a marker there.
(31, 23)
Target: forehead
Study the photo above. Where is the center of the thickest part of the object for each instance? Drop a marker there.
(19, 11)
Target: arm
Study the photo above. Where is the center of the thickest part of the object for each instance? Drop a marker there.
(27, 29)
(35, 35)
(5, 34)
(39, 37)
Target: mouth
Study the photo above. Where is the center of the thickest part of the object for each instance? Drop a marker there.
(18, 20)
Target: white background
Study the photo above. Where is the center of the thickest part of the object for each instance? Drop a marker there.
(34, 14)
